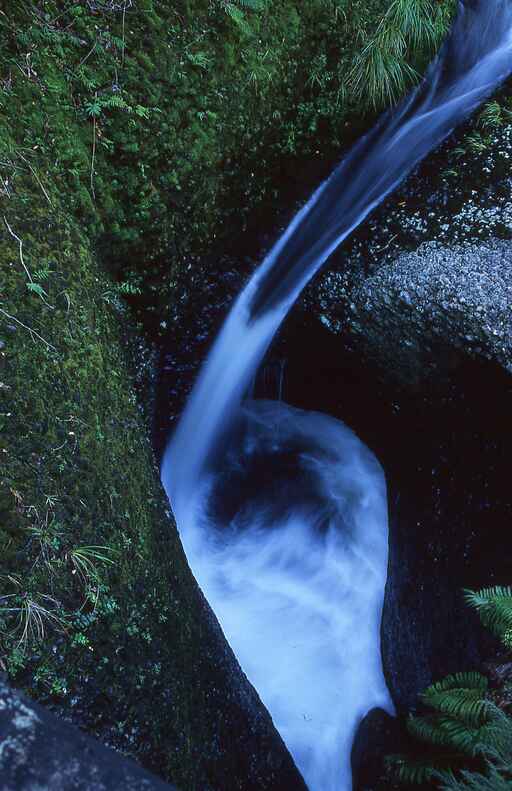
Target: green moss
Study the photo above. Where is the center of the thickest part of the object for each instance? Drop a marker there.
(124, 641)
(187, 110)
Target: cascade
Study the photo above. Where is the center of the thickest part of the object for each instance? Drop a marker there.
(282, 513)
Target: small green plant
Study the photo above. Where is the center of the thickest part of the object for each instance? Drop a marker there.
(236, 9)
(85, 565)
(477, 144)
(45, 539)
(85, 560)
(494, 606)
(28, 616)
(382, 69)
(463, 737)
(491, 116)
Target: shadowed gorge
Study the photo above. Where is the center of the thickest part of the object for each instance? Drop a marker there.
(475, 59)
(332, 426)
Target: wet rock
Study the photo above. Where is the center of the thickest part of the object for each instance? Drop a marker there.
(40, 751)
(425, 313)
(378, 735)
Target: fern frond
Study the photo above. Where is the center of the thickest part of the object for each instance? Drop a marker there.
(447, 731)
(494, 607)
(493, 780)
(237, 15)
(496, 775)
(488, 595)
(466, 705)
(467, 680)
(117, 102)
(416, 771)
(252, 5)
(426, 729)
(471, 741)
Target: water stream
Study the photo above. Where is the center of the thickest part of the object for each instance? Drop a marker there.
(282, 513)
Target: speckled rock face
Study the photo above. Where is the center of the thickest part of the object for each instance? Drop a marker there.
(424, 284)
(39, 752)
(419, 315)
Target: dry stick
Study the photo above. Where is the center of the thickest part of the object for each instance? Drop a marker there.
(32, 332)
(381, 249)
(4, 189)
(37, 179)
(93, 155)
(87, 56)
(24, 265)
(15, 236)
(124, 26)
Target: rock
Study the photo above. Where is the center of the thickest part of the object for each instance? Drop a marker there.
(40, 751)
(425, 313)
(378, 735)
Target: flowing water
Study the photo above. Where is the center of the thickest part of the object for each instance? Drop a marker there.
(282, 513)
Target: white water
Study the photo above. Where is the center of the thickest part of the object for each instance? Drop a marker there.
(292, 558)
(296, 577)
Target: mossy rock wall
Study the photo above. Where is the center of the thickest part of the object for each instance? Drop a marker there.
(101, 615)
(167, 124)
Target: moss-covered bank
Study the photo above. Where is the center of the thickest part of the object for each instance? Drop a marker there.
(118, 634)
(167, 123)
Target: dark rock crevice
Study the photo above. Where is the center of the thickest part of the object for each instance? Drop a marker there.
(410, 346)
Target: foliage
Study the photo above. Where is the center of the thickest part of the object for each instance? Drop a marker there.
(457, 720)
(494, 606)
(407, 34)
(497, 775)
(463, 738)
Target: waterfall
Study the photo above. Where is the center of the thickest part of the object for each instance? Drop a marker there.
(282, 513)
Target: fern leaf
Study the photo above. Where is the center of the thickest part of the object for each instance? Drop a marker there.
(494, 607)
(468, 680)
(426, 729)
(237, 15)
(466, 705)
(252, 5)
(416, 771)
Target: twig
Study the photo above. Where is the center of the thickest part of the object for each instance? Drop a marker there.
(5, 188)
(15, 236)
(37, 287)
(32, 332)
(93, 155)
(124, 29)
(37, 179)
(381, 249)
(88, 55)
